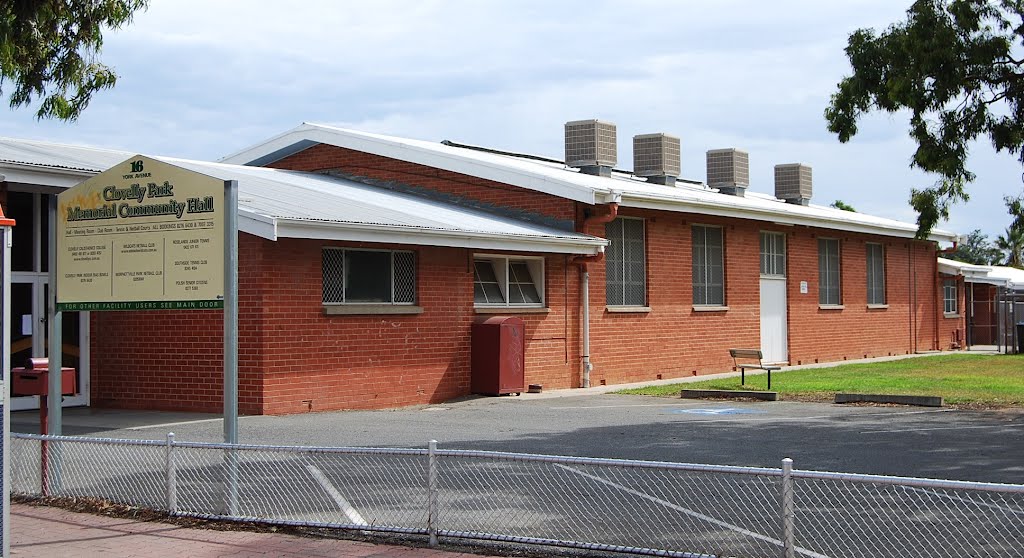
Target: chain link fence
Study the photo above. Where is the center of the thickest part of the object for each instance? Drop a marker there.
(637, 507)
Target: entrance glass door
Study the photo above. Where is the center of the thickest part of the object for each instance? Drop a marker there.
(29, 278)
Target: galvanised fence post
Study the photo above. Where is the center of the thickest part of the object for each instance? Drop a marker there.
(787, 509)
(171, 470)
(432, 491)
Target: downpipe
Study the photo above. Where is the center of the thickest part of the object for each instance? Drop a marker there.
(583, 262)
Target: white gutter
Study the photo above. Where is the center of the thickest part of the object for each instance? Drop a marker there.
(44, 176)
(257, 225)
(359, 232)
(760, 214)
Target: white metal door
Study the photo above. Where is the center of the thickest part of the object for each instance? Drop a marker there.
(774, 343)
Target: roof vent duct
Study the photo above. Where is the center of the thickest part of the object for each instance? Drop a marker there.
(656, 157)
(729, 171)
(793, 183)
(591, 146)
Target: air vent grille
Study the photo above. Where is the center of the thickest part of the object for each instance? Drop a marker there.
(656, 155)
(590, 143)
(728, 168)
(793, 183)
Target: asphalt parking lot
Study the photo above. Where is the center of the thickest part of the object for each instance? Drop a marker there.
(942, 443)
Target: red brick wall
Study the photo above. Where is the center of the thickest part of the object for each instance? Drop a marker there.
(906, 326)
(379, 361)
(173, 360)
(323, 157)
(293, 358)
(674, 340)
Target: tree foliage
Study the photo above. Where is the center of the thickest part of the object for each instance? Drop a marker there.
(952, 65)
(1012, 245)
(975, 248)
(840, 204)
(48, 51)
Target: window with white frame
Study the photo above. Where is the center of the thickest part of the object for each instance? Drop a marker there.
(876, 273)
(625, 263)
(773, 254)
(353, 276)
(508, 281)
(829, 293)
(949, 296)
(708, 266)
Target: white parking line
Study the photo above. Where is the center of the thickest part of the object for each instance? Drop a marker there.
(166, 424)
(343, 504)
(689, 512)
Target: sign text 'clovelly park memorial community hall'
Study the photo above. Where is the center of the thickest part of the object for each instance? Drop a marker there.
(144, 235)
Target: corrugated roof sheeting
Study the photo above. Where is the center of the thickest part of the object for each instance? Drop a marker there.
(59, 156)
(298, 196)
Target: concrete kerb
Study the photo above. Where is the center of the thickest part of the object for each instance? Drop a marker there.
(729, 394)
(598, 390)
(914, 400)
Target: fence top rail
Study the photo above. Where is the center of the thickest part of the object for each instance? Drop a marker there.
(300, 449)
(88, 440)
(910, 481)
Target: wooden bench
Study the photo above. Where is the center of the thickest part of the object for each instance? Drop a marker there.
(748, 358)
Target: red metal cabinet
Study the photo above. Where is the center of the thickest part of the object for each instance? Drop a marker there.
(498, 356)
(34, 379)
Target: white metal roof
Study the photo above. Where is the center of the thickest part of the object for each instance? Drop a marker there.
(559, 180)
(277, 203)
(53, 164)
(1009, 277)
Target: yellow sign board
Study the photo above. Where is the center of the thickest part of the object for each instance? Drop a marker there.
(144, 235)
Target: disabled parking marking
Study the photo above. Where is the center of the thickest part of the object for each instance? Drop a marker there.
(718, 411)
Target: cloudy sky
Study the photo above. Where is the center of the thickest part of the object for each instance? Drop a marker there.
(203, 79)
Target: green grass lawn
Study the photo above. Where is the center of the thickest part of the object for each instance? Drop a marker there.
(982, 380)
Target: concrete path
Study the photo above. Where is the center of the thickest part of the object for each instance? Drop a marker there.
(38, 531)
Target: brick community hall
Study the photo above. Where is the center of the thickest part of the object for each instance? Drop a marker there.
(365, 260)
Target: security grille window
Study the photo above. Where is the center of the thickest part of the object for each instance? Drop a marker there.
(499, 281)
(828, 272)
(876, 273)
(773, 254)
(625, 263)
(708, 266)
(949, 298)
(368, 276)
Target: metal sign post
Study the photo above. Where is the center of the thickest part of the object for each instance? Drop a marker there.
(231, 312)
(54, 416)
(231, 339)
